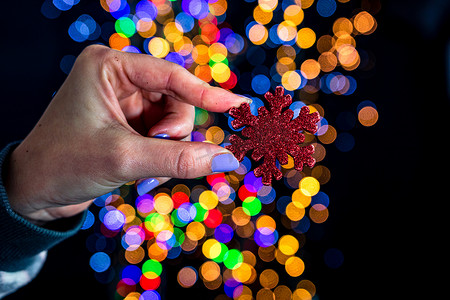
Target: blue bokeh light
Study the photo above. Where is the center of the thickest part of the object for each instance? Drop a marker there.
(100, 262)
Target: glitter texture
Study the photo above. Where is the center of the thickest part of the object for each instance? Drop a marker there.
(273, 134)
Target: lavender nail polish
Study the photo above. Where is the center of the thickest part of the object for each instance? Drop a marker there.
(224, 163)
(146, 186)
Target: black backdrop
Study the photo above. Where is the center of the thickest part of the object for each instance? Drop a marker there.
(381, 191)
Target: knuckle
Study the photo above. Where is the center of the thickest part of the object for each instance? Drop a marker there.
(95, 50)
(185, 162)
(91, 56)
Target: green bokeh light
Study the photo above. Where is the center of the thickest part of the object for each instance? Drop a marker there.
(201, 212)
(223, 251)
(152, 265)
(201, 116)
(125, 27)
(251, 206)
(233, 259)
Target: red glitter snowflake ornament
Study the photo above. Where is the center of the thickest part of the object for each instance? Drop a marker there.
(273, 135)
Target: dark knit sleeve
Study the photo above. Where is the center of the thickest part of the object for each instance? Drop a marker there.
(21, 240)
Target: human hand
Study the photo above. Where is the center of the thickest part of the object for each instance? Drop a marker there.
(96, 133)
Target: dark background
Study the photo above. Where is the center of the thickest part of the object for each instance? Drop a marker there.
(383, 192)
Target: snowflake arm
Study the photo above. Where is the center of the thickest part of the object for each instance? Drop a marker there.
(243, 116)
(273, 134)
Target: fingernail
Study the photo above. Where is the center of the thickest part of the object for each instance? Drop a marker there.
(162, 136)
(147, 185)
(245, 99)
(224, 163)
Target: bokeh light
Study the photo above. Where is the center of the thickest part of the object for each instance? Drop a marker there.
(231, 223)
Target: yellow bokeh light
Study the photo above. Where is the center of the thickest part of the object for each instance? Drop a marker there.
(310, 68)
(294, 13)
(200, 54)
(306, 38)
(348, 57)
(291, 80)
(286, 54)
(146, 28)
(301, 294)
(240, 217)
(218, 7)
(208, 199)
(209, 271)
(128, 211)
(195, 231)
(158, 47)
(290, 163)
(268, 279)
(286, 30)
(157, 253)
(282, 68)
(268, 5)
(364, 22)
(343, 24)
(211, 248)
(288, 245)
(282, 292)
(242, 273)
(294, 213)
(300, 200)
(267, 222)
(172, 32)
(183, 45)
(133, 296)
(163, 204)
(307, 285)
(220, 72)
(294, 266)
(309, 186)
(262, 16)
(306, 3)
(215, 135)
(342, 38)
(135, 256)
(217, 52)
(258, 34)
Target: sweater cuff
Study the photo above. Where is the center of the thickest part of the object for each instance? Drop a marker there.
(21, 240)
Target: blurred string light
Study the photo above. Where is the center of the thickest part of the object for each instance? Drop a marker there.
(233, 221)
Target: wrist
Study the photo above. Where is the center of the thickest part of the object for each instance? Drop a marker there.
(11, 176)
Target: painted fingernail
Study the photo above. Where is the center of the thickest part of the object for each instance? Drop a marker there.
(162, 136)
(224, 163)
(147, 185)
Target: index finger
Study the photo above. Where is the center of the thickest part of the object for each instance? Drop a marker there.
(158, 75)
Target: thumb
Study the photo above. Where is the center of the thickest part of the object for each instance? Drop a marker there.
(151, 157)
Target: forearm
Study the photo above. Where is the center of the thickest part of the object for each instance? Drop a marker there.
(21, 240)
